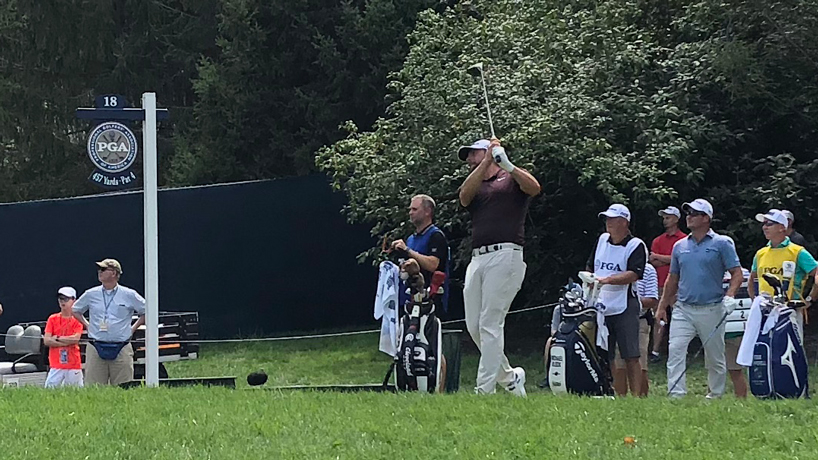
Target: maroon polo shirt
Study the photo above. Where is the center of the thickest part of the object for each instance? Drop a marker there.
(498, 212)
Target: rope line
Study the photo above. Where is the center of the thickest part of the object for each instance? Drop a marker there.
(294, 337)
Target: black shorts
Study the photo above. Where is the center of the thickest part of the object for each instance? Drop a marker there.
(623, 331)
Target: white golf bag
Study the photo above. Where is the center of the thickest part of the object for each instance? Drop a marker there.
(419, 364)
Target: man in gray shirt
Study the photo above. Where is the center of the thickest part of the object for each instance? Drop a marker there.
(697, 266)
(110, 307)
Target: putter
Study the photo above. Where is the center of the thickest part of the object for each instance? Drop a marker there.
(475, 71)
(724, 317)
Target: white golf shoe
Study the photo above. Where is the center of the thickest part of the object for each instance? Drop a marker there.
(517, 387)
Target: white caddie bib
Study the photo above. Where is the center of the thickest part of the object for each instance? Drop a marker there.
(610, 260)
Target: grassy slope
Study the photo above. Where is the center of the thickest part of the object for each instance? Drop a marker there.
(250, 423)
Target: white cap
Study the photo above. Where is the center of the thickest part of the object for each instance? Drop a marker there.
(774, 215)
(789, 214)
(617, 210)
(67, 292)
(671, 211)
(463, 152)
(701, 205)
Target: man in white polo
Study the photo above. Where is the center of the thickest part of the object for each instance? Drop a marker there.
(110, 307)
(618, 263)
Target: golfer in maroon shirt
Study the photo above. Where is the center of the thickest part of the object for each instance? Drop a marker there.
(497, 195)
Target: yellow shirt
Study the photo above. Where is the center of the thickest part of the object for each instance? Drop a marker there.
(772, 260)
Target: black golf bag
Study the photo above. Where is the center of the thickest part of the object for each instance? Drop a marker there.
(575, 363)
(419, 362)
(779, 368)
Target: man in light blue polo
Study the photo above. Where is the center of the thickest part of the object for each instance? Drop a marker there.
(110, 307)
(694, 287)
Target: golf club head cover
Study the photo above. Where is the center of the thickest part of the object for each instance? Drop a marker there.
(438, 278)
(411, 267)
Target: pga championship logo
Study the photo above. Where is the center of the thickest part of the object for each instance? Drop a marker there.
(112, 148)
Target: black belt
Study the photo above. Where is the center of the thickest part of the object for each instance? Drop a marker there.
(495, 247)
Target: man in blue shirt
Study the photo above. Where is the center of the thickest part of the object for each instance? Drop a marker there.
(428, 246)
(110, 307)
(694, 286)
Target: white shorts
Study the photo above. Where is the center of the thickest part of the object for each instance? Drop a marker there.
(64, 377)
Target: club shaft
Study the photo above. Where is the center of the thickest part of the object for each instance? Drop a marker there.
(488, 108)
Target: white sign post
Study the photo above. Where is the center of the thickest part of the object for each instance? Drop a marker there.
(151, 241)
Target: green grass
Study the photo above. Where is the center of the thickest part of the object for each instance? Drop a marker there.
(247, 423)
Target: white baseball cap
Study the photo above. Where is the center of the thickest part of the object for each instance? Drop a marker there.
(463, 152)
(67, 291)
(789, 214)
(701, 205)
(671, 211)
(617, 210)
(774, 215)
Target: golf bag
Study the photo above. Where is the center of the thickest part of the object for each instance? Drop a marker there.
(419, 362)
(779, 368)
(575, 363)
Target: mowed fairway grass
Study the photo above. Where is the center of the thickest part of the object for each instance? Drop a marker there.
(253, 423)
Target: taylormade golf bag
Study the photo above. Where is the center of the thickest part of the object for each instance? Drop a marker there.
(575, 363)
(779, 368)
(420, 348)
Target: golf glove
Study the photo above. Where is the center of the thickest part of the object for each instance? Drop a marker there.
(730, 304)
(501, 159)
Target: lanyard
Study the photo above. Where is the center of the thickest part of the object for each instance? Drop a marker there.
(108, 302)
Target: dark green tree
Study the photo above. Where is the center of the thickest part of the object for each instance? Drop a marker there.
(644, 102)
(56, 56)
(286, 75)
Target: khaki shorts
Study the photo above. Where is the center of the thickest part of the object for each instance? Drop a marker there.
(100, 371)
(731, 353)
(644, 339)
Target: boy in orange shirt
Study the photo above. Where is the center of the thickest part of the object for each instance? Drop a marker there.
(62, 336)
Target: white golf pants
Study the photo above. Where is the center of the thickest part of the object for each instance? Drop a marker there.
(492, 282)
(688, 322)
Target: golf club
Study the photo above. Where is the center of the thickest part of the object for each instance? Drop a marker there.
(477, 70)
(687, 365)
